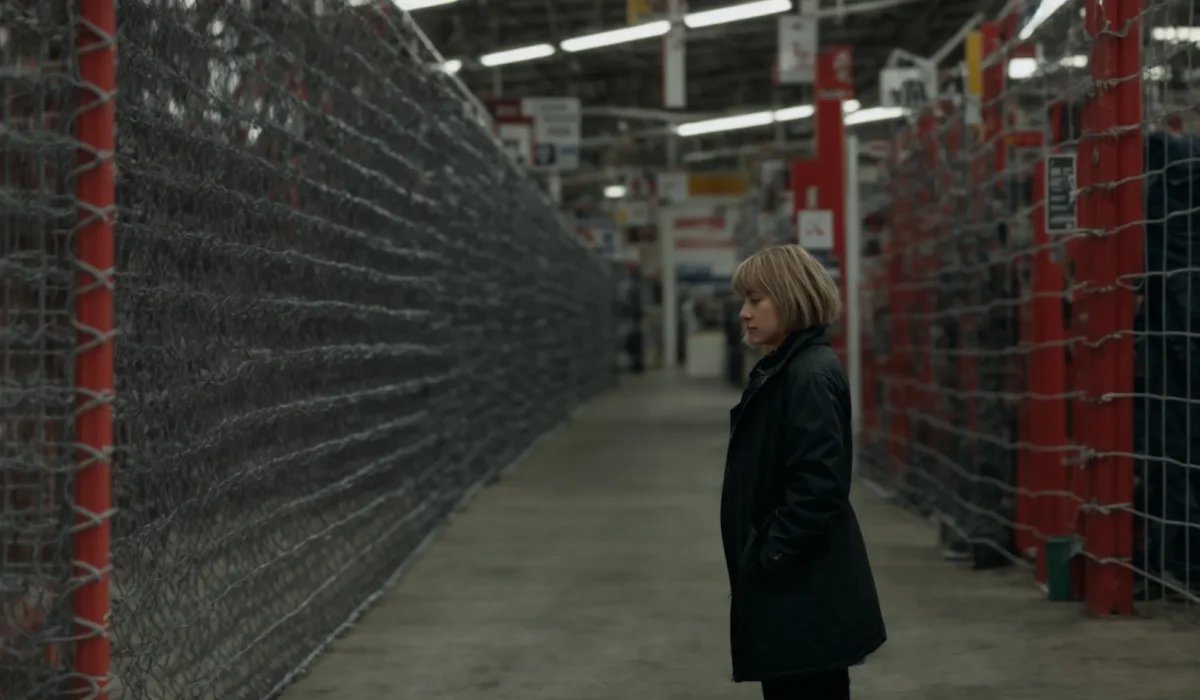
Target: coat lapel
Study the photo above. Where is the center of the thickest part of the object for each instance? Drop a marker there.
(770, 365)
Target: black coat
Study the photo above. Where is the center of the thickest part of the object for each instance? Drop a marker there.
(804, 598)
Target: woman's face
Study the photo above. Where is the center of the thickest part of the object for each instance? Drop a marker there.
(761, 321)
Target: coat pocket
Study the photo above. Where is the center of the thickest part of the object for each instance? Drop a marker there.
(749, 552)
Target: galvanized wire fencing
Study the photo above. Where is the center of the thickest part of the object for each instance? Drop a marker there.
(1163, 451)
(338, 308)
(1033, 326)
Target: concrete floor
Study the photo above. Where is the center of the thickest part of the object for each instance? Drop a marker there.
(593, 571)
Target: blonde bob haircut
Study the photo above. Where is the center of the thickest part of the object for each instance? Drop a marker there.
(803, 293)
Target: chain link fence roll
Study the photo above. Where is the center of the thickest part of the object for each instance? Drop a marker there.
(339, 307)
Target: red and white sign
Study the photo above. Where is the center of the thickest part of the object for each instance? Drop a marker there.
(699, 231)
(835, 72)
(504, 110)
(543, 132)
(815, 228)
(513, 128)
(797, 51)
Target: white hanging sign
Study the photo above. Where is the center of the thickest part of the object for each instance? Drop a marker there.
(797, 50)
(910, 87)
(672, 186)
(815, 227)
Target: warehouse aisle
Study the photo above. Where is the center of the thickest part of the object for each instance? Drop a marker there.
(593, 572)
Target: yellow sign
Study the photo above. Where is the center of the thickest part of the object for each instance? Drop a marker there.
(638, 11)
(973, 104)
(701, 184)
(974, 51)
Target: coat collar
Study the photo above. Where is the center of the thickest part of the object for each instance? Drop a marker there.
(793, 344)
(770, 365)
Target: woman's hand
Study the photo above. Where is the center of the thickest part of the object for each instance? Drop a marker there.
(817, 471)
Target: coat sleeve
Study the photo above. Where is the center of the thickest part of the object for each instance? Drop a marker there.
(816, 472)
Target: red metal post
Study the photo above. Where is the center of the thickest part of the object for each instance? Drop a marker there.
(1025, 380)
(95, 129)
(1080, 250)
(1129, 236)
(993, 108)
(1047, 382)
(805, 176)
(982, 169)
(988, 165)
(899, 390)
(831, 154)
(1110, 584)
(831, 149)
(924, 235)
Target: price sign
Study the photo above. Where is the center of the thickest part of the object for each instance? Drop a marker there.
(815, 227)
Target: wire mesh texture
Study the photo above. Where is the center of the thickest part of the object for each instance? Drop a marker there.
(339, 307)
(1033, 318)
(37, 207)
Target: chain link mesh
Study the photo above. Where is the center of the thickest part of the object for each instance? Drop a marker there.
(1031, 328)
(37, 173)
(1166, 325)
(339, 308)
(953, 327)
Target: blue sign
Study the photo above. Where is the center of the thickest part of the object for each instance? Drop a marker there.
(694, 272)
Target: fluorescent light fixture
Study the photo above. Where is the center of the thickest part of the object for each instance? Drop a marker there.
(1025, 67)
(650, 30)
(525, 53)
(1040, 15)
(411, 5)
(791, 114)
(452, 66)
(754, 119)
(614, 191)
(625, 35)
(1022, 68)
(1176, 35)
(740, 121)
(736, 13)
(875, 114)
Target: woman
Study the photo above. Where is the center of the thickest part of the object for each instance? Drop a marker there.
(804, 606)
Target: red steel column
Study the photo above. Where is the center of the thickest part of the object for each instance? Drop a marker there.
(1047, 382)
(898, 390)
(96, 132)
(1129, 236)
(1109, 583)
(832, 86)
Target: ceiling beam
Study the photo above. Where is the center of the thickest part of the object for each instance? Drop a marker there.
(643, 114)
